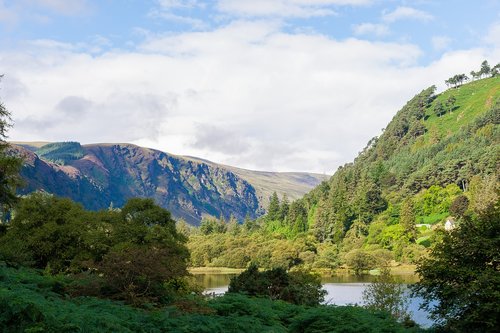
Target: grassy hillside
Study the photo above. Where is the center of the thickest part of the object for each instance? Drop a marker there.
(472, 100)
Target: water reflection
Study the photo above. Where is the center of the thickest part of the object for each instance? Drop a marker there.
(210, 281)
(341, 290)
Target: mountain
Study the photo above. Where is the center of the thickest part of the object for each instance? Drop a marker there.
(104, 175)
(435, 149)
(292, 184)
(436, 159)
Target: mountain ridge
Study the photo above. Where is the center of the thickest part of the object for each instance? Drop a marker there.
(100, 175)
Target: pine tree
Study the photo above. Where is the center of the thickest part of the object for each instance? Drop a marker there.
(285, 206)
(273, 212)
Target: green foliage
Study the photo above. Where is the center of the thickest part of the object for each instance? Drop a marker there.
(296, 287)
(407, 218)
(273, 211)
(483, 193)
(439, 109)
(436, 199)
(459, 206)
(210, 225)
(460, 281)
(9, 166)
(132, 252)
(45, 233)
(360, 261)
(30, 302)
(386, 294)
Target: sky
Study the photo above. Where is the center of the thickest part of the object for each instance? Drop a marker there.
(276, 85)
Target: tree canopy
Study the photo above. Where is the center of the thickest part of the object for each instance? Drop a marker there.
(460, 281)
(9, 165)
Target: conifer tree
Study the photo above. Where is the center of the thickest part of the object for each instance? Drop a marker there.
(273, 212)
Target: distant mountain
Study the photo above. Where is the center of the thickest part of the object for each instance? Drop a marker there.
(292, 184)
(104, 175)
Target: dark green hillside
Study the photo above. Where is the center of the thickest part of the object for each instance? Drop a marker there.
(61, 152)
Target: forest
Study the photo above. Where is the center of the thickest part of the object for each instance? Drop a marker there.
(386, 207)
(67, 269)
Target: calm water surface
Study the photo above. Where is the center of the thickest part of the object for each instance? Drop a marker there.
(341, 290)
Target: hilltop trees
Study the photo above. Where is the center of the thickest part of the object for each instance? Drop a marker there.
(485, 71)
(456, 80)
(495, 70)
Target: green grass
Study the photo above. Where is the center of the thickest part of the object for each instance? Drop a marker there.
(424, 241)
(472, 100)
(432, 219)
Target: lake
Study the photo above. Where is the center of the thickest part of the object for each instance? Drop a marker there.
(341, 290)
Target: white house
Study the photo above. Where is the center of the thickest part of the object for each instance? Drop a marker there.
(449, 224)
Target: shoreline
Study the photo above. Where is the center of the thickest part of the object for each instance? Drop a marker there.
(401, 269)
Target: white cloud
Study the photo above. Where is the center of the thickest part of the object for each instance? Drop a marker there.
(371, 28)
(65, 7)
(440, 43)
(169, 16)
(492, 37)
(245, 94)
(169, 4)
(284, 8)
(167, 10)
(402, 13)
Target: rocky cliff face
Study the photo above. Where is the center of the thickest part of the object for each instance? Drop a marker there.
(109, 174)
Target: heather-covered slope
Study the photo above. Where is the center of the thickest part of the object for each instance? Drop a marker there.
(100, 175)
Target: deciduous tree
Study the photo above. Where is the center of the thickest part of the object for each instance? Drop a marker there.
(9, 165)
(460, 281)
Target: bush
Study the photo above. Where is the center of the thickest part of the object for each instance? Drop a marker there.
(297, 287)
